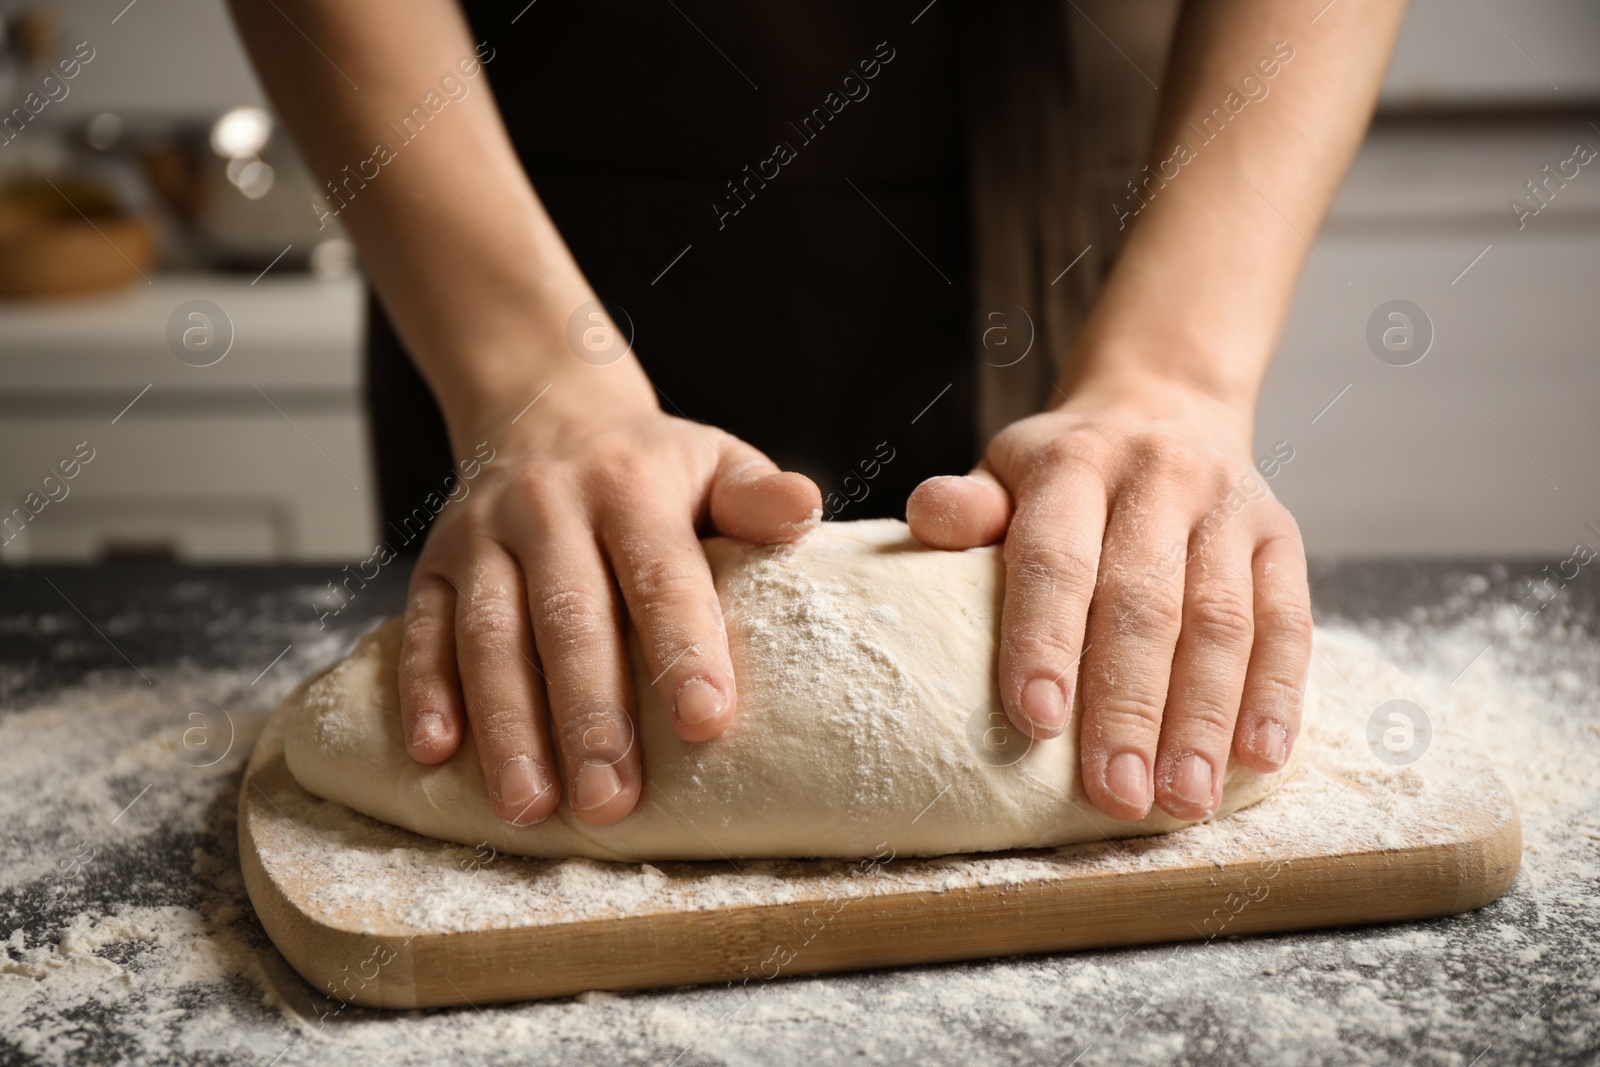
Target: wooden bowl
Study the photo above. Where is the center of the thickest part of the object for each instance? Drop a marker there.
(50, 249)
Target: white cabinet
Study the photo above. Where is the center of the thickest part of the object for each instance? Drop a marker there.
(262, 455)
(1487, 445)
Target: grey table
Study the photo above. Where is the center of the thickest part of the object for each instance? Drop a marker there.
(131, 938)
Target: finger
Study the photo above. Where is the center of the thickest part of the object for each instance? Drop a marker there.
(1051, 554)
(1132, 633)
(667, 585)
(578, 633)
(431, 713)
(753, 500)
(954, 512)
(504, 695)
(1274, 687)
(1208, 670)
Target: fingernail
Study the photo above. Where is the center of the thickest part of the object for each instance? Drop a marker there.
(521, 785)
(428, 729)
(698, 701)
(1271, 743)
(1192, 780)
(1128, 780)
(1044, 704)
(596, 784)
(807, 524)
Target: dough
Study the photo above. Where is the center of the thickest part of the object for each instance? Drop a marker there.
(868, 721)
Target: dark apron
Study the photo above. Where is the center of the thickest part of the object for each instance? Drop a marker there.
(821, 309)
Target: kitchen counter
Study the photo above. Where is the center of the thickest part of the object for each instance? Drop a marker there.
(261, 453)
(129, 695)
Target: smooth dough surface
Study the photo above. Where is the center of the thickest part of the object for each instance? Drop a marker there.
(868, 720)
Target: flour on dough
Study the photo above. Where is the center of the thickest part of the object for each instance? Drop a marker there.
(868, 721)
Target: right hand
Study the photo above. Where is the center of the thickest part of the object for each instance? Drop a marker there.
(514, 624)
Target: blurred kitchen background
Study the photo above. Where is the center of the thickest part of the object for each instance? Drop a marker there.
(168, 300)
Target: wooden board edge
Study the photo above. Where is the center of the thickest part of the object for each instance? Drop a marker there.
(1487, 863)
(757, 943)
(324, 956)
(329, 958)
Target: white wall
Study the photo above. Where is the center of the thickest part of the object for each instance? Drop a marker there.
(1496, 52)
(181, 56)
(1403, 462)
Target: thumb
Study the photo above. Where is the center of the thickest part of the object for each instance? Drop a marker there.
(752, 500)
(960, 511)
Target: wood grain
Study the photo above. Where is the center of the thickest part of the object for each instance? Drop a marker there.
(378, 960)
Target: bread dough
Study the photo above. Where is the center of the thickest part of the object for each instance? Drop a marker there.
(868, 722)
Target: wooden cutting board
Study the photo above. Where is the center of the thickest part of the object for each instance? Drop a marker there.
(376, 916)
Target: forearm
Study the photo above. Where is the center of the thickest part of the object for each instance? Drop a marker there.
(1261, 114)
(469, 266)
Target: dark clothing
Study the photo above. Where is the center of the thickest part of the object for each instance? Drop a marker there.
(793, 256)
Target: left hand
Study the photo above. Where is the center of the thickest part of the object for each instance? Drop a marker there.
(1139, 537)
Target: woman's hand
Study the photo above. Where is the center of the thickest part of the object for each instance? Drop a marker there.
(1139, 538)
(514, 625)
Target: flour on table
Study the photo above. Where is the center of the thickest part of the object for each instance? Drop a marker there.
(149, 949)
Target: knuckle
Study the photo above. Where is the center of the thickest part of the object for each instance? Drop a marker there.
(1288, 622)
(500, 726)
(488, 620)
(1220, 615)
(660, 583)
(1051, 567)
(1063, 453)
(1127, 714)
(1274, 691)
(1160, 451)
(1033, 647)
(1205, 717)
(1148, 606)
(422, 626)
(420, 638)
(569, 619)
(1282, 526)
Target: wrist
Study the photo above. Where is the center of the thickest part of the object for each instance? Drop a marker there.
(502, 355)
(542, 393)
(1122, 388)
(1163, 334)
(1227, 372)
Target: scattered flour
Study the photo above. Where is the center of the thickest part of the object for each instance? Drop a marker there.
(127, 932)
